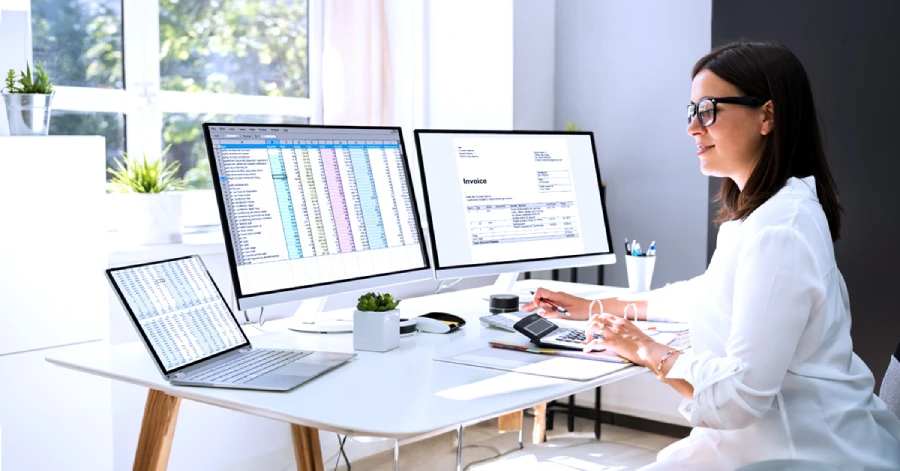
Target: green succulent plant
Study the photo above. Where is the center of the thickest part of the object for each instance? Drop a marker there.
(377, 302)
(36, 83)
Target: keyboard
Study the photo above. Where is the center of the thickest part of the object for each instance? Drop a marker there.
(244, 368)
(504, 321)
(568, 338)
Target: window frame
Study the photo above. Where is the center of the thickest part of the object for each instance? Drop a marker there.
(143, 104)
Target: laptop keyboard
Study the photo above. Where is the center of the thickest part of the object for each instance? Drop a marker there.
(247, 367)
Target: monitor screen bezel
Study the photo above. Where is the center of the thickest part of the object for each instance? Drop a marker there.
(509, 265)
(137, 325)
(263, 298)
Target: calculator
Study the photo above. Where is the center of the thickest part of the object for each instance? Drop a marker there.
(544, 333)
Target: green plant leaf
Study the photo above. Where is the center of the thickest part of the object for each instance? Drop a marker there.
(376, 302)
(132, 175)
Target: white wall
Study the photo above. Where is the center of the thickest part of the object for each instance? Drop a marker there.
(534, 56)
(623, 72)
(470, 64)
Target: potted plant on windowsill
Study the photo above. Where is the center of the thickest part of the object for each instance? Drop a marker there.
(28, 99)
(376, 323)
(149, 205)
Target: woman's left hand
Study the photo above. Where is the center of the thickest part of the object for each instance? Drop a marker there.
(620, 336)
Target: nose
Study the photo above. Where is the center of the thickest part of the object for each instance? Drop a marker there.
(694, 128)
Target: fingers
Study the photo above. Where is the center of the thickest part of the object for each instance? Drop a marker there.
(542, 293)
(594, 345)
(529, 307)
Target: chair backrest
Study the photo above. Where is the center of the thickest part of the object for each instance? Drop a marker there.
(890, 385)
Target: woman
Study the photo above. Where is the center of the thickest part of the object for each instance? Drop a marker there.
(771, 373)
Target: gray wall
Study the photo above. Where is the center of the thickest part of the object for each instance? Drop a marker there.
(851, 51)
(623, 72)
(534, 26)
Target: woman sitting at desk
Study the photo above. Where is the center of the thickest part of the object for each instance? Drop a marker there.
(771, 373)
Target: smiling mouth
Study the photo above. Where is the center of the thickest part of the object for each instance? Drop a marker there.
(702, 149)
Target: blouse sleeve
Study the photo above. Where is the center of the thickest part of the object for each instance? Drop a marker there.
(777, 284)
(674, 302)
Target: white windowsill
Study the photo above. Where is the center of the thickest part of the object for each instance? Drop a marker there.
(200, 243)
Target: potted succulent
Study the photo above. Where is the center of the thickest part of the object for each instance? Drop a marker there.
(149, 206)
(28, 98)
(376, 323)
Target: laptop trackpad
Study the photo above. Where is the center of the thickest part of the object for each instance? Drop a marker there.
(301, 368)
(278, 381)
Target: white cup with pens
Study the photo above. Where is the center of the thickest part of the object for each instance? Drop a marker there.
(640, 265)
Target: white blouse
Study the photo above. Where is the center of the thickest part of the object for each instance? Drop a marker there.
(771, 359)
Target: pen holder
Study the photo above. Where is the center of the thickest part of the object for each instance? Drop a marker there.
(640, 272)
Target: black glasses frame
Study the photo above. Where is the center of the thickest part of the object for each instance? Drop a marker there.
(694, 109)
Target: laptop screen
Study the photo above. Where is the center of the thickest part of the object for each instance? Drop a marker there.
(178, 310)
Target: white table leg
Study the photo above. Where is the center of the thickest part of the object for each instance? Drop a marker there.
(459, 446)
(397, 455)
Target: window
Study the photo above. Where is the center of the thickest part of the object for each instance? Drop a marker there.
(147, 86)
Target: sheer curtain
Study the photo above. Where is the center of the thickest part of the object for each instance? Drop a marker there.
(357, 86)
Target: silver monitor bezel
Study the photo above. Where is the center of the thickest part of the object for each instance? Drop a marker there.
(531, 264)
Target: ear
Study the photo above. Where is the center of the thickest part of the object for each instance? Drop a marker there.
(768, 118)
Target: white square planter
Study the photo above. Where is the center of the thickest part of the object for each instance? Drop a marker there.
(376, 331)
(149, 218)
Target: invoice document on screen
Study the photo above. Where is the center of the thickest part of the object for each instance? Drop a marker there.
(519, 198)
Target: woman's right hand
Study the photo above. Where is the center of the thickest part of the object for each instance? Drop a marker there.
(547, 301)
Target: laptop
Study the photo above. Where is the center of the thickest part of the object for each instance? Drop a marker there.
(193, 337)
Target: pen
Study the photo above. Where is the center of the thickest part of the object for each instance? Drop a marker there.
(636, 249)
(558, 308)
(627, 248)
(652, 250)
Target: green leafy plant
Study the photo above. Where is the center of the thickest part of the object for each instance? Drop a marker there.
(133, 175)
(37, 83)
(571, 127)
(377, 302)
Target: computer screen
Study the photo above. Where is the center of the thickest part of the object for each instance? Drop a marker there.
(307, 209)
(178, 310)
(512, 201)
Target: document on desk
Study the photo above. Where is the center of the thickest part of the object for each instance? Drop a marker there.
(540, 365)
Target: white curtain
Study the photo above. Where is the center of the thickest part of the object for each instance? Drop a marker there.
(357, 86)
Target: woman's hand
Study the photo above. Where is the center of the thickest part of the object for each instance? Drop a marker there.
(548, 301)
(620, 336)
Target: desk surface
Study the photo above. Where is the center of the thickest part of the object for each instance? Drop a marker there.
(398, 394)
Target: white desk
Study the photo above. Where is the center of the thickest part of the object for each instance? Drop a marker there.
(402, 394)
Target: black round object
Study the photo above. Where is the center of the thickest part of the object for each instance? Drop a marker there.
(501, 303)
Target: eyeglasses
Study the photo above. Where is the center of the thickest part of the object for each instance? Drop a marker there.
(706, 109)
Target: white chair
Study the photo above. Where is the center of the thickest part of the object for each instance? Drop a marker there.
(890, 385)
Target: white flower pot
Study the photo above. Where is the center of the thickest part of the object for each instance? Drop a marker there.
(150, 218)
(376, 331)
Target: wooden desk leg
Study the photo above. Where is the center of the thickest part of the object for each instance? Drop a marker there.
(511, 422)
(539, 434)
(157, 431)
(307, 449)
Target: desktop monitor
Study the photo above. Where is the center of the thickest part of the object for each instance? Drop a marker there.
(502, 202)
(310, 211)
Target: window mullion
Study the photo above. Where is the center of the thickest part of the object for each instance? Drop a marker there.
(141, 52)
(315, 42)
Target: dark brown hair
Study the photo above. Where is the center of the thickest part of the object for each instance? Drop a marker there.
(770, 71)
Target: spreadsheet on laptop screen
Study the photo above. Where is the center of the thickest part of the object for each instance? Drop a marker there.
(311, 206)
(180, 311)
